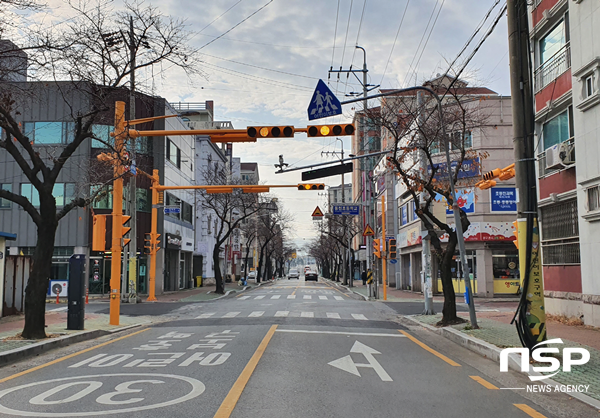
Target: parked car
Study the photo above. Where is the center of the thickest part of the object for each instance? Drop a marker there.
(293, 274)
(252, 275)
(311, 275)
(307, 268)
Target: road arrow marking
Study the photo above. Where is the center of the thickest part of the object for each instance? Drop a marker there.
(347, 364)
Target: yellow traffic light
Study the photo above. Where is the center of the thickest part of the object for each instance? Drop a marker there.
(392, 249)
(99, 233)
(485, 184)
(330, 130)
(377, 247)
(270, 131)
(311, 186)
(507, 174)
(125, 229)
(492, 174)
(516, 234)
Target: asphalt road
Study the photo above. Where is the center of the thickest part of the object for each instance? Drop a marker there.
(291, 349)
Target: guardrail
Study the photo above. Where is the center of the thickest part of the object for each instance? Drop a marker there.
(556, 65)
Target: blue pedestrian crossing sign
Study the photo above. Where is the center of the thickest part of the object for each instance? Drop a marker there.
(323, 103)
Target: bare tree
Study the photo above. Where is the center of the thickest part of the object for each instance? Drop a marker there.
(272, 222)
(413, 129)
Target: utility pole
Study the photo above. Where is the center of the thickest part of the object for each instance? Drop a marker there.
(132, 179)
(530, 317)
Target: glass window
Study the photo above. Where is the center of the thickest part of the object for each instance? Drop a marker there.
(103, 133)
(31, 193)
(552, 42)
(589, 86)
(48, 133)
(143, 200)
(186, 212)
(171, 200)
(556, 130)
(59, 194)
(143, 145)
(4, 203)
(173, 154)
(69, 192)
(505, 264)
(104, 199)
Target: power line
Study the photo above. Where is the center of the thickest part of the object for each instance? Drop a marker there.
(394, 44)
(220, 16)
(427, 40)
(335, 32)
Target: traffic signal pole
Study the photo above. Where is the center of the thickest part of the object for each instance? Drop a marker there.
(384, 249)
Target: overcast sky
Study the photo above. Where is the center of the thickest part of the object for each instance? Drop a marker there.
(264, 71)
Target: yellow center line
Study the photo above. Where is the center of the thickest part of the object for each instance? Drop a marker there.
(234, 394)
(14, 376)
(431, 350)
(483, 382)
(294, 292)
(529, 410)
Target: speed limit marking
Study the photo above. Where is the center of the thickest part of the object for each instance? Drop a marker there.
(101, 389)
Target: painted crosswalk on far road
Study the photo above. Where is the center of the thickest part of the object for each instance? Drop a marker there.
(244, 297)
(338, 298)
(307, 297)
(323, 297)
(282, 313)
(231, 314)
(307, 314)
(291, 297)
(333, 315)
(359, 316)
(205, 315)
(256, 314)
(275, 296)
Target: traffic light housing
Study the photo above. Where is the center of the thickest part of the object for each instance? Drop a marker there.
(492, 174)
(485, 184)
(125, 229)
(311, 186)
(516, 234)
(377, 247)
(151, 245)
(330, 130)
(270, 131)
(99, 233)
(392, 249)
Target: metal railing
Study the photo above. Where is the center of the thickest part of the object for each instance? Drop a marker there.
(210, 125)
(179, 106)
(542, 170)
(556, 65)
(561, 253)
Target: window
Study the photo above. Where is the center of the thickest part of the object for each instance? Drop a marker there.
(31, 193)
(171, 200)
(143, 200)
(404, 215)
(455, 141)
(560, 233)
(4, 203)
(173, 153)
(589, 86)
(49, 133)
(553, 42)
(186, 212)
(557, 129)
(593, 198)
(104, 198)
(103, 133)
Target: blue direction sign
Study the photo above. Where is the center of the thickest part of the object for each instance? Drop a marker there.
(172, 210)
(323, 103)
(347, 209)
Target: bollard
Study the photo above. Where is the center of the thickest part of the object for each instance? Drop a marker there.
(87, 294)
(57, 298)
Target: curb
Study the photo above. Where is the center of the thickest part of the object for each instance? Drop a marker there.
(492, 352)
(11, 356)
(367, 298)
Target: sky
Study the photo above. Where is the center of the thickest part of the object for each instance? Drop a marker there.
(266, 57)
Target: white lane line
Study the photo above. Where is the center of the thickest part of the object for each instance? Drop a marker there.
(359, 316)
(323, 297)
(307, 297)
(333, 315)
(307, 314)
(230, 315)
(282, 313)
(205, 315)
(338, 298)
(300, 331)
(244, 297)
(275, 296)
(260, 297)
(291, 296)
(256, 314)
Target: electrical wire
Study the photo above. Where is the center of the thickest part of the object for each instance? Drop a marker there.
(220, 16)
(335, 32)
(394, 43)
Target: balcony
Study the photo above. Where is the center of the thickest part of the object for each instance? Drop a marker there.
(553, 68)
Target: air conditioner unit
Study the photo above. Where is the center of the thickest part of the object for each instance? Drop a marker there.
(566, 153)
(552, 157)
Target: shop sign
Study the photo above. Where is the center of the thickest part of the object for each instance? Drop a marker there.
(503, 199)
(173, 242)
(413, 236)
(470, 168)
(486, 231)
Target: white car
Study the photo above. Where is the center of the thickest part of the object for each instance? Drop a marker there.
(293, 274)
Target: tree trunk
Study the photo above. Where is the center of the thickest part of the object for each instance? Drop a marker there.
(37, 286)
(449, 310)
(220, 288)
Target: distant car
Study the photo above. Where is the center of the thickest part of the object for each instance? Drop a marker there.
(251, 275)
(293, 274)
(307, 268)
(311, 275)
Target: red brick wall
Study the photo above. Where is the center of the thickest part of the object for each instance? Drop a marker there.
(537, 13)
(553, 90)
(562, 278)
(560, 182)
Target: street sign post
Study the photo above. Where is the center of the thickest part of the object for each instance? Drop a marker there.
(323, 103)
(346, 209)
(327, 171)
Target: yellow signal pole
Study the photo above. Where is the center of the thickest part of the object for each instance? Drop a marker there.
(153, 239)
(117, 214)
(383, 252)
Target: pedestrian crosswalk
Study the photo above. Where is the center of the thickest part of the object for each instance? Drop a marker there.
(282, 314)
(275, 297)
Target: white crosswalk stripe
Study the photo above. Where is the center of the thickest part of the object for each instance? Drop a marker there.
(231, 314)
(291, 297)
(307, 314)
(282, 313)
(244, 297)
(307, 297)
(338, 298)
(275, 296)
(333, 315)
(359, 316)
(323, 297)
(260, 297)
(256, 314)
(205, 315)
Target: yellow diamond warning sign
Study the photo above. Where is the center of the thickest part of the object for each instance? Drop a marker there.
(317, 212)
(368, 231)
